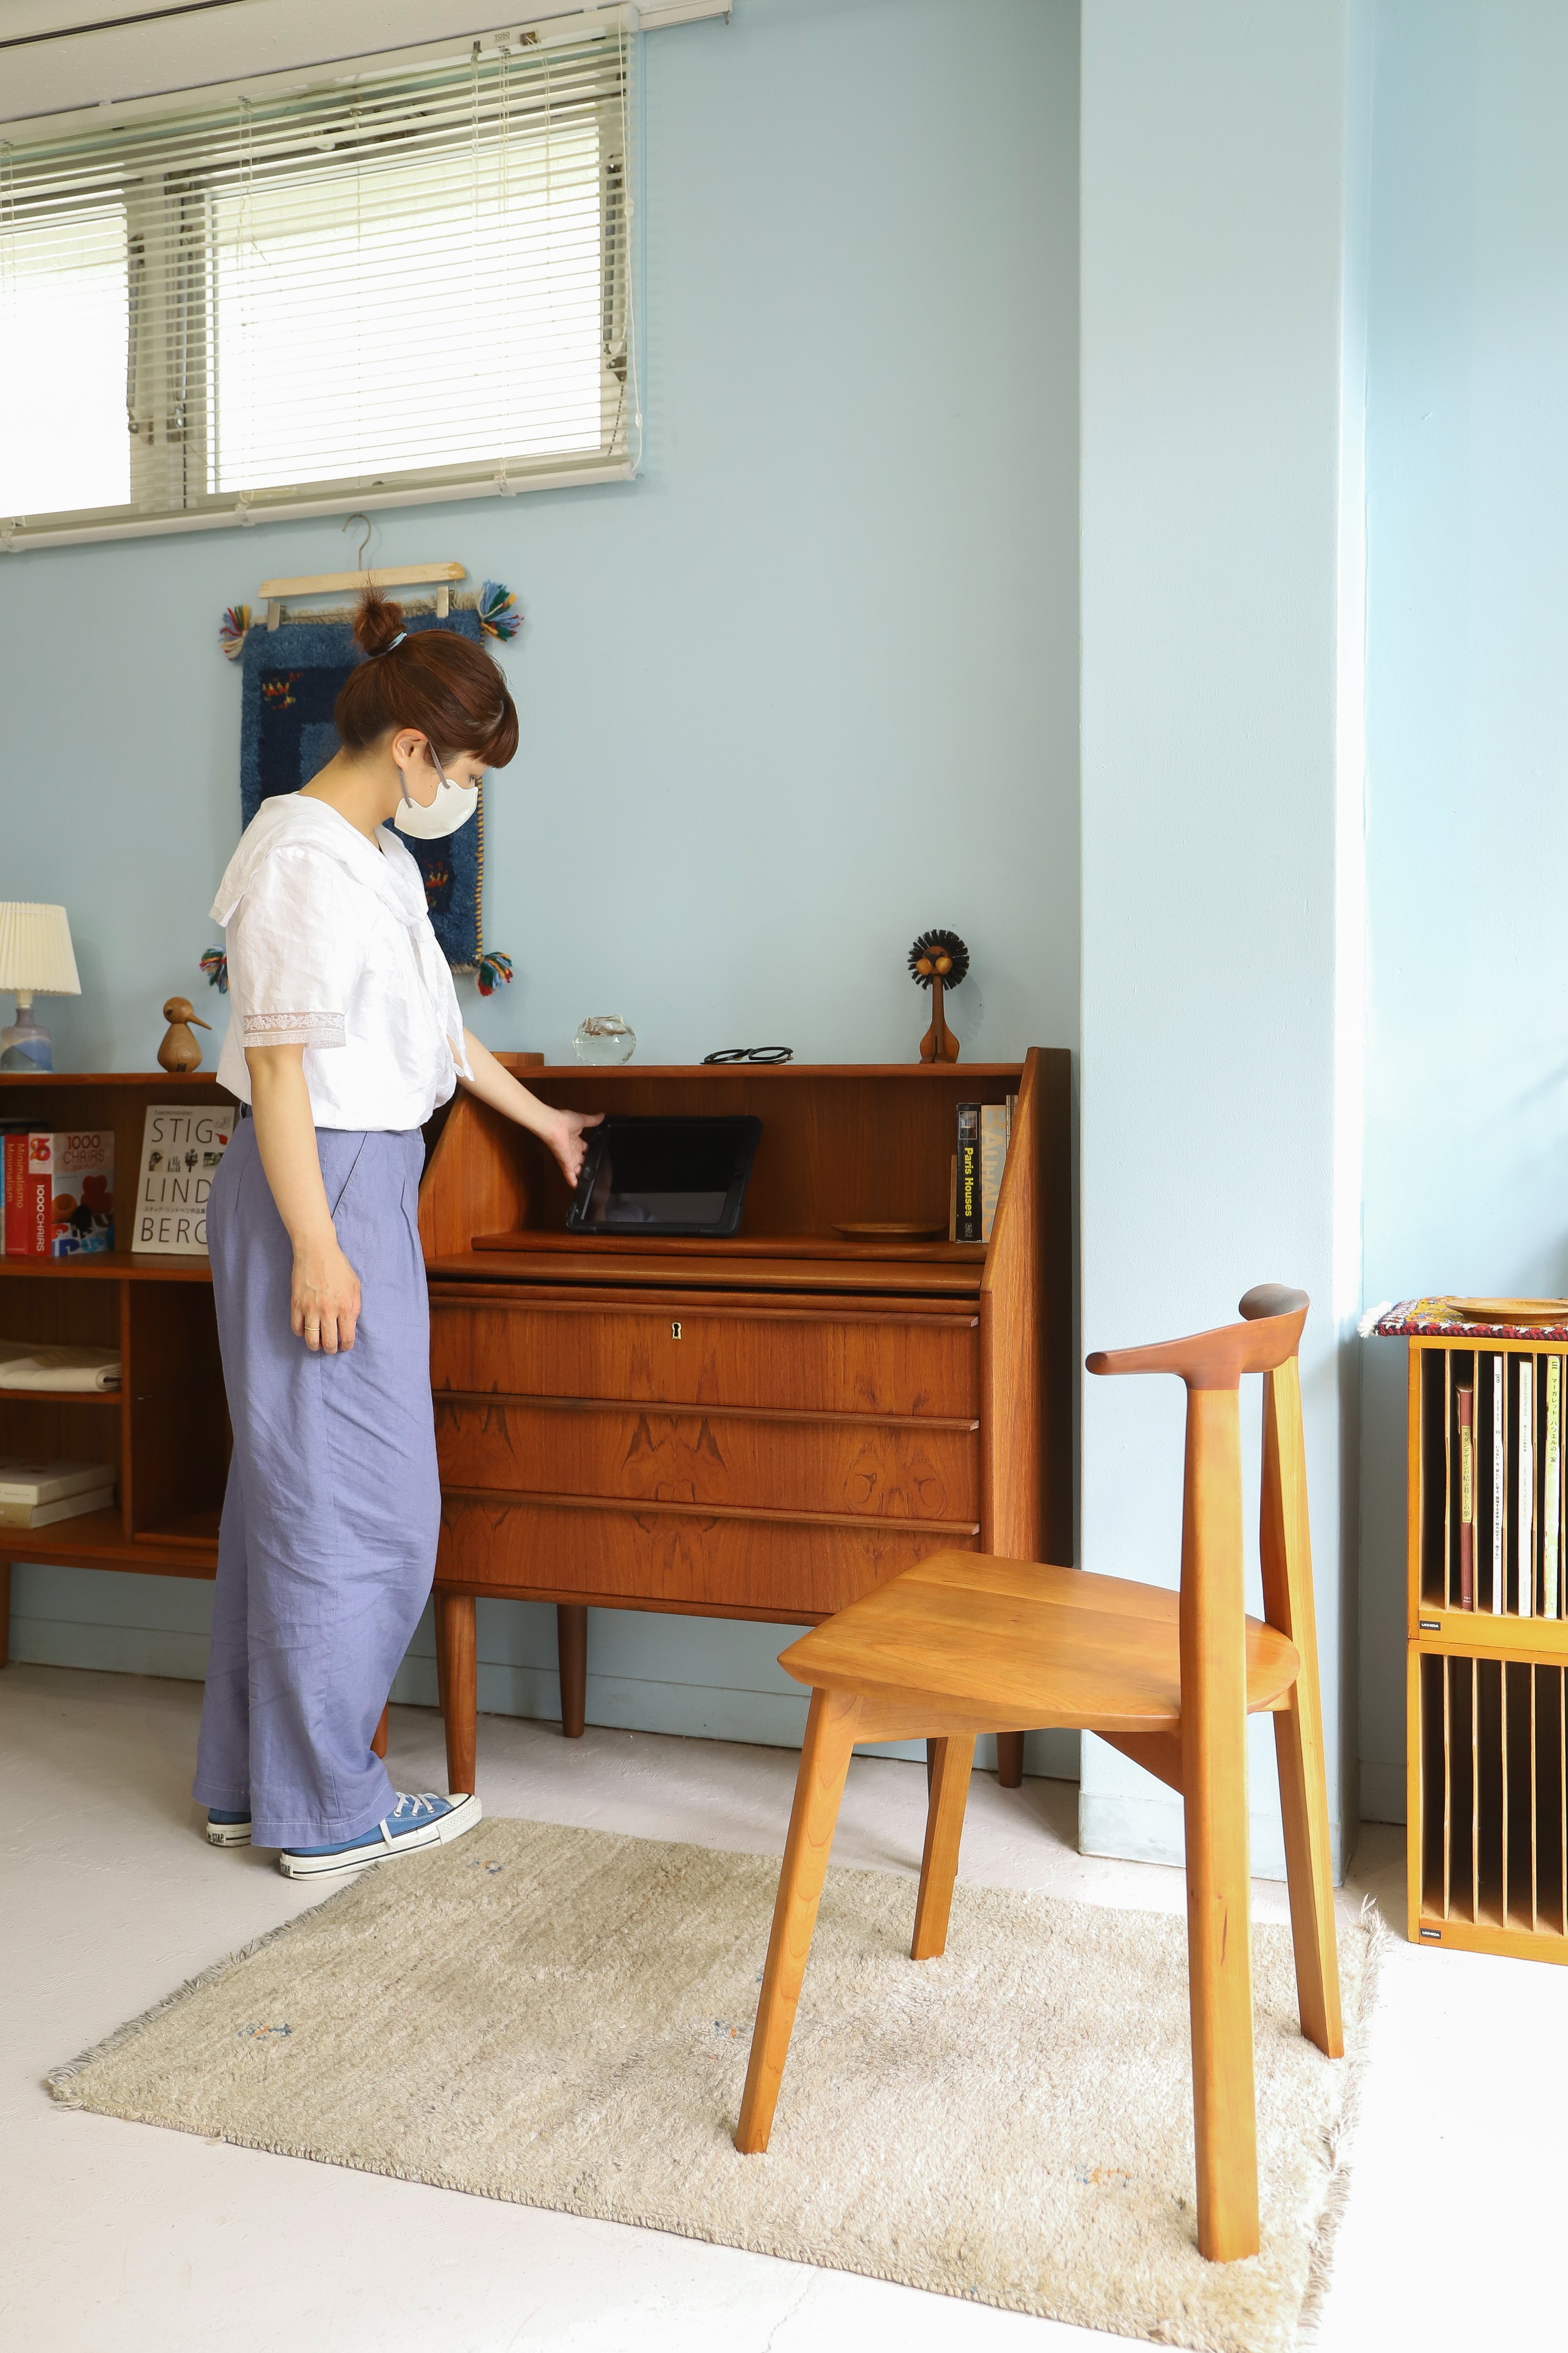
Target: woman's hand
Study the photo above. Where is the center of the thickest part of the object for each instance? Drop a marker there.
(323, 1291)
(559, 1131)
(565, 1139)
(323, 1297)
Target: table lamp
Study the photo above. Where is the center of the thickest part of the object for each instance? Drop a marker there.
(35, 960)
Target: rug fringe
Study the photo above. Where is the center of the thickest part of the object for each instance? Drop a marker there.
(58, 2081)
(1341, 2135)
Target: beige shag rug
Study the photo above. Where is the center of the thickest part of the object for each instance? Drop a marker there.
(561, 2018)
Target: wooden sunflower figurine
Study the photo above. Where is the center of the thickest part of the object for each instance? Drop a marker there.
(937, 960)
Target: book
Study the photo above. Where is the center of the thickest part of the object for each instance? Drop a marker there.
(65, 1507)
(26, 1482)
(1524, 1539)
(59, 1192)
(952, 1197)
(967, 1226)
(1465, 1397)
(7, 1127)
(1500, 1469)
(1552, 1488)
(993, 1160)
(183, 1147)
(65, 1365)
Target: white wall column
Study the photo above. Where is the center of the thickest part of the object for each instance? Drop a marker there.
(1221, 603)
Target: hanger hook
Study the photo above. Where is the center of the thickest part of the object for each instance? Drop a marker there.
(364, 542)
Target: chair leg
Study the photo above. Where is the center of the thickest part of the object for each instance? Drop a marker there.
(1009, 1760)
(1220, 1962)
(1287, 1551)
(378, 1737)
(1214, 1774)
(819, 1787)
(456, 1669)
(944, 1829)
(1304, 1805)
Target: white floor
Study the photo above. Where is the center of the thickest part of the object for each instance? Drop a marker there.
(120, 2236)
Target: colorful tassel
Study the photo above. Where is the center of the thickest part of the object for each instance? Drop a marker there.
(233, 629)
(499, 615)
(493, 967)
(215, 963)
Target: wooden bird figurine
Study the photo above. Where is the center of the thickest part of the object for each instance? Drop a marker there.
(180, 1050)
(937, 960)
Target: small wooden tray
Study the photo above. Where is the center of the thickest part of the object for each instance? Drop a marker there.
(891, 1230)
(1509, 1311)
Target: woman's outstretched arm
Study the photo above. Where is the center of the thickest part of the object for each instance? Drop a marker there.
(561, 1130)
(323, 1297)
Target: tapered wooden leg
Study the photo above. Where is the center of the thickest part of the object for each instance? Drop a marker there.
(572, 1651)
(819, 1787)
(1304, 1805)
(1009, 1760)
(378, 1737)
(456, 1667)
(1288, 1602)
(944, 1829)
(1214, 1773)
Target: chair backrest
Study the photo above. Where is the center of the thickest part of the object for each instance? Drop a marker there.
(1212, 1364)
(1217, 1359)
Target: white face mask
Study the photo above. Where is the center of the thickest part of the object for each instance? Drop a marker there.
(453, 806)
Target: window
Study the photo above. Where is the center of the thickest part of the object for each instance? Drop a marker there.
(409, 282)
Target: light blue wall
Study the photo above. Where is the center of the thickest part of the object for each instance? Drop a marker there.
(1467, 1139)
(806, 686)
(1221, 776)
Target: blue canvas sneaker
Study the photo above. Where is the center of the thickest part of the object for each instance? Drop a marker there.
(413, 1823)
(227, 1830)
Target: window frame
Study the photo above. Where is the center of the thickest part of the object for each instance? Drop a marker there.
(172, 391)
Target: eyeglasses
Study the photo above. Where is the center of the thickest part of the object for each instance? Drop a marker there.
(752, 1054)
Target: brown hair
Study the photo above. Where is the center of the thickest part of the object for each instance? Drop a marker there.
(443, 684)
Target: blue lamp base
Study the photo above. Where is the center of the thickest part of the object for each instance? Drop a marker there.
(25, 1046)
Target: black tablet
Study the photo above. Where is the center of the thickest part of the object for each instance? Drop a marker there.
(663, 1176)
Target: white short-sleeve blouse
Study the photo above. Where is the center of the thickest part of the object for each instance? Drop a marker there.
(329, 947)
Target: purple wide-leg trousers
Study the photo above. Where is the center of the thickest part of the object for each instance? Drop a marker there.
(327, 1548)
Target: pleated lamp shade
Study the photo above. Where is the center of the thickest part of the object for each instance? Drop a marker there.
(35, 954)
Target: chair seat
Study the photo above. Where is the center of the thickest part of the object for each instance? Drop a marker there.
(1011, 1642)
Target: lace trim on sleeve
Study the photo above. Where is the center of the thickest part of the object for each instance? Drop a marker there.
(294, 1029)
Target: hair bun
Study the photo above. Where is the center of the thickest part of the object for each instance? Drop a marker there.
(377, 622)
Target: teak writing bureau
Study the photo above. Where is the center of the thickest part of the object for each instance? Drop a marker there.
(764, 1427)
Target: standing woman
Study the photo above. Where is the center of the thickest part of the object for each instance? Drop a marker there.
(345, 1035)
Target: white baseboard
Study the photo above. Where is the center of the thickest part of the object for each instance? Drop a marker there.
(1149, 1829)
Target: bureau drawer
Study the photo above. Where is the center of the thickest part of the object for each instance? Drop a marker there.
(688, 1352)
(661, 1558)
(878, 1469)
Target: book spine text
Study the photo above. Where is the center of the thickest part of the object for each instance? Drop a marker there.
(1466, 1399)
(1524, 1542)
(969, 1220)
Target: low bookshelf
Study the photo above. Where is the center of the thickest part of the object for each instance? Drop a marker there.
(166, 1430)
(1487, 1733)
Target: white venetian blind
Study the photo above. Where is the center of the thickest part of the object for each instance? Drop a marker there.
(409, 281)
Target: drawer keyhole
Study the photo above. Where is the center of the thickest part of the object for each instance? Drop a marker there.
(675, 1331)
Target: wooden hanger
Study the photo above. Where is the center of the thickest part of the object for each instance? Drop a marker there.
(322, 583)
(326, 584)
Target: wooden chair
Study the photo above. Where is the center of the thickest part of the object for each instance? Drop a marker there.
(966, 1644)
